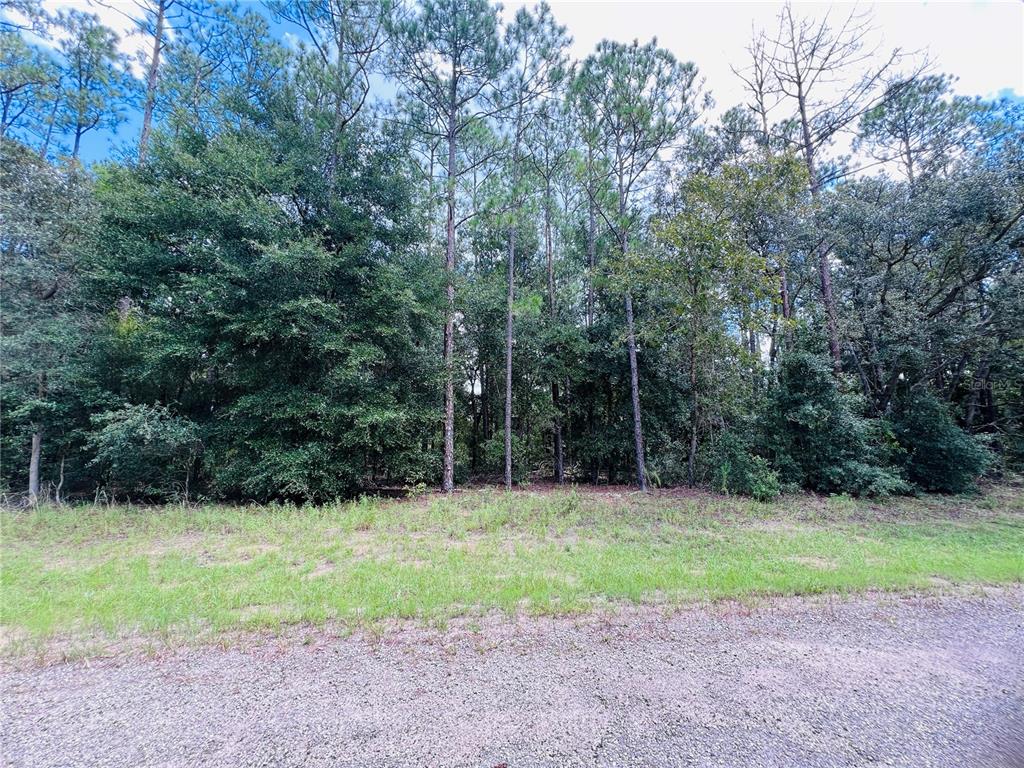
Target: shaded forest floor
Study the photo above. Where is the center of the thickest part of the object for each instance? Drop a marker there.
(91, 580)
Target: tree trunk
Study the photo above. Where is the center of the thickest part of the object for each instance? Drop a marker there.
(908, 154)
(691, 461)
(752, 345)
(830, 309)
(634, 391)
(508, 357)
(557, 438)
(787, 310)
(151, 80)
(609, 415)
(591, 245)
(634, 376)
(60, 482)
(475, 405)
(485, 404)
(591, 263)
(448, 477)
(594, 468)
(556, 427)
(824, 271)
(773, 348)
(44, 150)
(511, 298)
(33, 467)
(977, 386)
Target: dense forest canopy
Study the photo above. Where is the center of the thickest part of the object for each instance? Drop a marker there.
(423, 246)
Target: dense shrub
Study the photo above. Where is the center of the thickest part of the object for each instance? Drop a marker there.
(814, 436)
(306, 341)
(936, 454)
(736, 469)
(145, 450)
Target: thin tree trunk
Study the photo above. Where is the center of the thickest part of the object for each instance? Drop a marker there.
(591, 245)
(691, 462)
(591, 264)
(151, 80)
(634, 391)
(609, 416)
(957, 376)
(485, 404)
(37, 449)
(559, 462)
(559, 458)
(475, 406)
(60, 482)
(511, 298)
(49, 129)
(787, 310)
(783, 280)
(909, 156)
(448, 477)
(33, 467)
(830, 309)
(634, 376)
(824, 272)
(977, 385)
(508, 356)
(752, 345)
(594, 468)
(774, 346)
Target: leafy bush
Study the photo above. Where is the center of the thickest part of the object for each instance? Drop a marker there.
(816, 439)
(937, 455)
(737, 470)
(493, 456)
(145, 450)
(667, 467)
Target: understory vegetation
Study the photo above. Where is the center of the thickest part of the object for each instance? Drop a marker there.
(83, 579)
(369, 246)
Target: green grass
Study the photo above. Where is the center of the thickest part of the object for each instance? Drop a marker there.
(93, 574)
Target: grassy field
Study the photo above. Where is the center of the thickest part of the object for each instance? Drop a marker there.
(95, 575)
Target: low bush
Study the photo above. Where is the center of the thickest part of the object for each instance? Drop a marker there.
(145, 451)
(936, 455)
(815, 437)
(736, 469)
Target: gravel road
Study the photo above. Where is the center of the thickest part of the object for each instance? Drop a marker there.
(879, 680)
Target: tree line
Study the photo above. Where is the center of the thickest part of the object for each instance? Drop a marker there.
(411, 244)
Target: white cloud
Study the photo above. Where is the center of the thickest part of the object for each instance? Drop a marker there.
(980, 42)
(115, 14)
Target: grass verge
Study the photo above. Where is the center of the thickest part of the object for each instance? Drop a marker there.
(93, 574)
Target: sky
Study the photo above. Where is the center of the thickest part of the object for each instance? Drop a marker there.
(980, 42)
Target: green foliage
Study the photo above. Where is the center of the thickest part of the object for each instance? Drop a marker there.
(920, 123)
(814, 435)
(298, 333)
(45, 375)
(937, 455)
(96, 85)
(277, 270)
(145, 451)
(735, 469)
